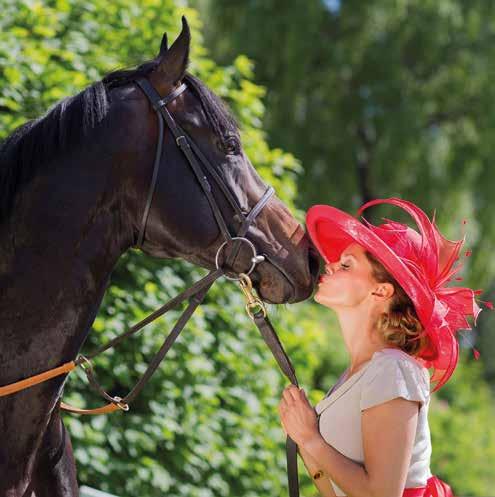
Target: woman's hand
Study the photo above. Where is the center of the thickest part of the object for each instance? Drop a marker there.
(298, 418)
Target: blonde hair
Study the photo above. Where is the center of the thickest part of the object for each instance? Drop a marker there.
(400, 326)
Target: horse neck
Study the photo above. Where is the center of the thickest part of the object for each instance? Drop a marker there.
(57, 251)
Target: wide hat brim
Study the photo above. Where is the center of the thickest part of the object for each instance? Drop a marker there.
(331, 230)
(422, 263)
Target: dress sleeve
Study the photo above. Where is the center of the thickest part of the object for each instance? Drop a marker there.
(393, 377)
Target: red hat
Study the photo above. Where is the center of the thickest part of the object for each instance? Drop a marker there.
(422, 265)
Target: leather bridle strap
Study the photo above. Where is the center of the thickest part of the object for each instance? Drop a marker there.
(193, 293)
(244, 229)
(158, 156)
(156, 167)
(182, 143)
(204, 282)
(191, 151)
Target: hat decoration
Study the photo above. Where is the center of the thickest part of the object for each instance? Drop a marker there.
(421, 262)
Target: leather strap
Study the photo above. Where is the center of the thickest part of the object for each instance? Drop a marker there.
(156, 103)
(292, 473)
(273, 342)
(118, 403)
(247, 223)
(171, 304)
(158, 358)
(191, 151)
(151, 191)
(106, 409)
(36, 379)
(183, 143)
(213, 172)
(200, 287)
(185, 147)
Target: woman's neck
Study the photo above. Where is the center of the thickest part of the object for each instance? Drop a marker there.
(360, 337)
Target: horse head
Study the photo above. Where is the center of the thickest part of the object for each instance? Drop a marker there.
(181, 222)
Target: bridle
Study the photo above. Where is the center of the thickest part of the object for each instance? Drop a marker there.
(191, 151)
(197, 292)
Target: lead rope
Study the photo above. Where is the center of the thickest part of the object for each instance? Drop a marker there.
(257, 312)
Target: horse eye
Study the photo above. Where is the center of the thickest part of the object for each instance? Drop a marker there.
(232, 146)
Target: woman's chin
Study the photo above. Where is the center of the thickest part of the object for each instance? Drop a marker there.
(322, 300)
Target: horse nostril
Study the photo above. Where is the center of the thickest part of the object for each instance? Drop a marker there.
(314, 261)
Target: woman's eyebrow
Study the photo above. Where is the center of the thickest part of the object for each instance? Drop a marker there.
(349, 255)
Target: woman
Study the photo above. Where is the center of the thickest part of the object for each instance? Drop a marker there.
(369, 436)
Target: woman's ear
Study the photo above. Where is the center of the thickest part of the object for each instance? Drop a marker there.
(384, 290)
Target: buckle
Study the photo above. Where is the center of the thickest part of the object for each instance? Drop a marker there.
(179, 139)
(118, 402)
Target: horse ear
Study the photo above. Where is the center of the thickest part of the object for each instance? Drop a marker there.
(174, 61)
(163, 45)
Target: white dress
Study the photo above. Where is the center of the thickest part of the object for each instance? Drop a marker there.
(390, 373)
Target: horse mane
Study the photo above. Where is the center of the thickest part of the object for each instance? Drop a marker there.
(37, 142)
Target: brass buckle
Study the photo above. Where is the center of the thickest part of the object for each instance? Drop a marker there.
(252, 301)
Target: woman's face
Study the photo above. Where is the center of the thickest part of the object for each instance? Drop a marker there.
(347, 282)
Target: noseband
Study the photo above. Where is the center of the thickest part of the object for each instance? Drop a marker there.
(197, 292)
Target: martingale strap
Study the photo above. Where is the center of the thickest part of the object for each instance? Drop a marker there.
(123, 403)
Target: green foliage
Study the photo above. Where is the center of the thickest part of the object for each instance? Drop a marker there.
(462, 431)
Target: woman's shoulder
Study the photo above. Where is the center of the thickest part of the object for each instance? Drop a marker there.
(392, 354)
(394, 373)
(393, 364)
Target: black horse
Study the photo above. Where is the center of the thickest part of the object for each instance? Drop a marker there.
(73, 186)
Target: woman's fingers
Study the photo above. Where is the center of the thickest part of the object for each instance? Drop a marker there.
(291, 393)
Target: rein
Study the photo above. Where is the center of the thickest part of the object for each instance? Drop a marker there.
(194, 294)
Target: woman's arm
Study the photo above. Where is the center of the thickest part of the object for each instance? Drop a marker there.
(322, 484)
(350, 476)
(388, 436)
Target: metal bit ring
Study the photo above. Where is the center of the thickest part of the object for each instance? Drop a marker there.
(254, 260)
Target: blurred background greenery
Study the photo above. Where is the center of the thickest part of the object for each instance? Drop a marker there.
(339, 102)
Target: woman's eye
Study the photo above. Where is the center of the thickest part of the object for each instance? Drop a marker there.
(345, 266)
